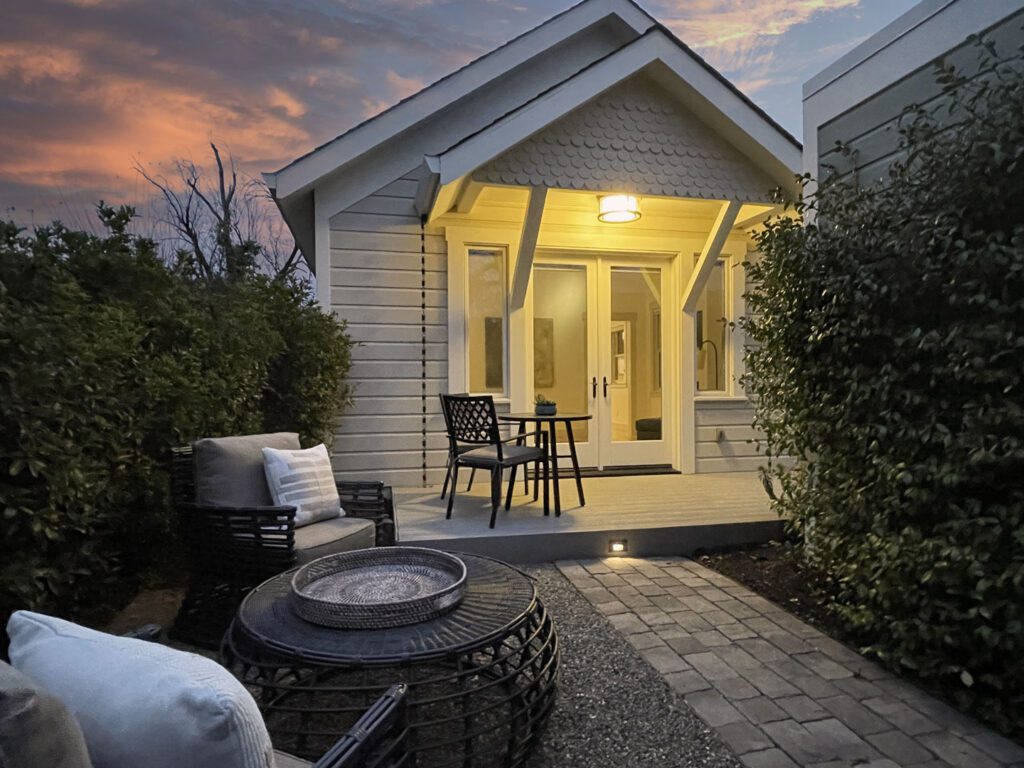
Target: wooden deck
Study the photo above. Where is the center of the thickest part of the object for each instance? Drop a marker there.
(656, 514)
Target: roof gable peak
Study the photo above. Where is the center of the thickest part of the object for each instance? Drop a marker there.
(303, 172)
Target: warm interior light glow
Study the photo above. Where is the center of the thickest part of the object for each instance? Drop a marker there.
(618, 209)
(617, 547)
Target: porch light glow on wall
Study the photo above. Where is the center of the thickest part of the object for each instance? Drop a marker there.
(618, 209)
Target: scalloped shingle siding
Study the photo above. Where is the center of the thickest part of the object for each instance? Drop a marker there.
(633, 138)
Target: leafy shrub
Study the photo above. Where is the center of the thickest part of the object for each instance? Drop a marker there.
(888, 359)
(108, 359)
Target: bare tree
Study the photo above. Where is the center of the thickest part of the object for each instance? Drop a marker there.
(221, 226)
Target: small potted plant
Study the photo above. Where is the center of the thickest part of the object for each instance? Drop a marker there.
(544, 407)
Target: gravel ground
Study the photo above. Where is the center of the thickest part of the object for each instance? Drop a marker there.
(612, 708)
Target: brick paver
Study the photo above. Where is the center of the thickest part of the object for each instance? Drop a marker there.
(777, 691)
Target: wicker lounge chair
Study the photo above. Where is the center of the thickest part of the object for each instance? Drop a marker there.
(232, 549)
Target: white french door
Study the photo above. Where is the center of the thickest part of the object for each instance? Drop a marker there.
(599, 348)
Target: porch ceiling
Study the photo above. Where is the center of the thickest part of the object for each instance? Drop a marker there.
(569, 208)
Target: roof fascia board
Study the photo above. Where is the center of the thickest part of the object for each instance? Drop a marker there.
(305, 171)
(655, 46)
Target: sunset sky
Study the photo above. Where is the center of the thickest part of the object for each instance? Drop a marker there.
(89, 88)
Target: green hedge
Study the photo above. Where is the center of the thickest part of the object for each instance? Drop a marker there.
(108, 358)
(889, 358)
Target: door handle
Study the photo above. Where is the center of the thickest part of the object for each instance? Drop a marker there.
(605, 380)
(593, 385)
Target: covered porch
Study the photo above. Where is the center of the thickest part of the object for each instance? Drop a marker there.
(596, 257)
(647, 514)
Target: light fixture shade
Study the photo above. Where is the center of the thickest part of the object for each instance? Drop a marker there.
(618, 209)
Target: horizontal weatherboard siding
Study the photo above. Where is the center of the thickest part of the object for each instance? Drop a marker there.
(725, 437)
(869, 132)
(375, 286)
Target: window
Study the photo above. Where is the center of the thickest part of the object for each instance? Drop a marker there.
(712, 323)
(486, 320)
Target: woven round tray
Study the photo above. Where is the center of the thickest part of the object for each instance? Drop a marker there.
(378, 588)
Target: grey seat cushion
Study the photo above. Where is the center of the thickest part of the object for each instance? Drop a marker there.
(488, 455)
(229, 470)
(36, 729)
(284, 760)
(328, 537)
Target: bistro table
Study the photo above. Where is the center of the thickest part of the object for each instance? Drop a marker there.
(481, 677)
(549, 423)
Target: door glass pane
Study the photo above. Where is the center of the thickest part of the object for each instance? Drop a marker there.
(560, 341)
(634, 386)
(486, 320)
(712, 332)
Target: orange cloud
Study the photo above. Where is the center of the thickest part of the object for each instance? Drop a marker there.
(732, 36)
(29, 62)
(152, 123)
(401, 87)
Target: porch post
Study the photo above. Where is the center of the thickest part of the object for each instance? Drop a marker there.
(520, 353)
(709, 254)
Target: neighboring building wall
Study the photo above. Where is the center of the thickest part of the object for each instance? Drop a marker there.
(869, 132)
(725, 436)
(375, 287)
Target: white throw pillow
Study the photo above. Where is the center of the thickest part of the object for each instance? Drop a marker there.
(140, 703)
(304, 480)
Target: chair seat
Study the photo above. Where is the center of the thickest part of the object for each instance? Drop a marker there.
(487, 456)
(329, 537)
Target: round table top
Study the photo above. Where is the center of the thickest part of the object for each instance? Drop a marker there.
(531, 416)
(497, 596)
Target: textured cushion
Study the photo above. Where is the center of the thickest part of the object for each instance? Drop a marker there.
(304, 480)
(510, 453)
(342, 534)
(139, 703)
(229, 470)
(284, 760)
(36, 729)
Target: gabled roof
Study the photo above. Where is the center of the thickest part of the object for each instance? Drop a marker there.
(667, 59)
(304, 172)
(632, 41)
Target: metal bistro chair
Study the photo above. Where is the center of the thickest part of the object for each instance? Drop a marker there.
(475, 441)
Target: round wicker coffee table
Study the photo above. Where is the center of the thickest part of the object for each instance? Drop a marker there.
(481, 678)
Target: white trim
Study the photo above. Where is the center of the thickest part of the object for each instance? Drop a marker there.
(460, 240)
(322, 256)
(306, 171)
(709, 95)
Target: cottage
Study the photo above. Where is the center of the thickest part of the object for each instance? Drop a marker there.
(569, 216)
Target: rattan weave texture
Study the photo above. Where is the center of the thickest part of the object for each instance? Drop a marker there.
(481, 678)
(379, 587)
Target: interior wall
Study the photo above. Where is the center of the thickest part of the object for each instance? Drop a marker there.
(561, 321)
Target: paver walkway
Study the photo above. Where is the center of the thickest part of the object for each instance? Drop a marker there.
(777, 691)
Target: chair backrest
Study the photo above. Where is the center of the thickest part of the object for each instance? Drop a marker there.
(378, 740)
(471, 419)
